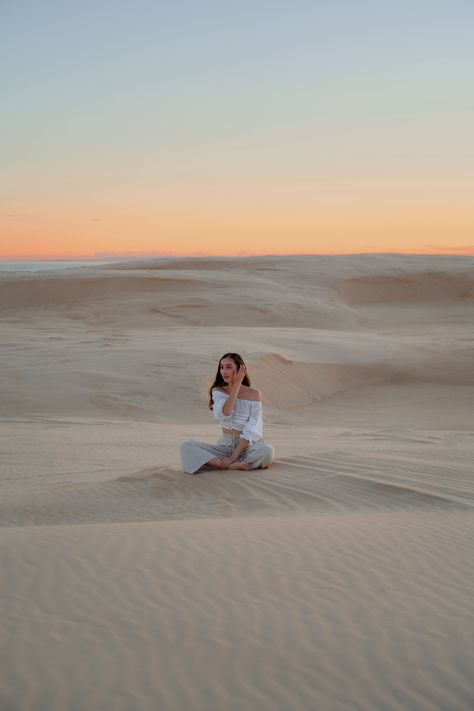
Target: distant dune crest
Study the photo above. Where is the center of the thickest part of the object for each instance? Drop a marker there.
(414, 288)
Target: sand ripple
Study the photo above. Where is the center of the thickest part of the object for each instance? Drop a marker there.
(334, 612)
(292, 486)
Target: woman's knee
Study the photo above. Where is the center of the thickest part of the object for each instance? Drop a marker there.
(262, 456)
(186, 444)
(186, 447)
(268, 455)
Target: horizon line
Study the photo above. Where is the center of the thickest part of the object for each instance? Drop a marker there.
(459, 252)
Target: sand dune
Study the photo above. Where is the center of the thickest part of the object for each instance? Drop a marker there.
(61, 290)
(416, 287)
(340, 578)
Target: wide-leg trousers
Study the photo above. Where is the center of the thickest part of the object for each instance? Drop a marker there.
(195, 455)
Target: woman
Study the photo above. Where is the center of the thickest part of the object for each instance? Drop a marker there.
(238, 408)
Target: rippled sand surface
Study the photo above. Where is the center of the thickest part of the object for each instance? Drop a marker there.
(340, 578)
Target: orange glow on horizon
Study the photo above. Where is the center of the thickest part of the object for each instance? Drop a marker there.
(244, 220)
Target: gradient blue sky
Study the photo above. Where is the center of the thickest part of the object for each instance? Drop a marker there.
(165, 125)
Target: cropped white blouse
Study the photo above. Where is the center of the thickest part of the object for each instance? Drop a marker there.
(246, 417)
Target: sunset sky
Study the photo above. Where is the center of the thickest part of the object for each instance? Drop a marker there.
(206, 127)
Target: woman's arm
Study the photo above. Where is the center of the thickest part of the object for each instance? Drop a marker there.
(243, 444)
(228, 408)
(218, 401)
(252, 430)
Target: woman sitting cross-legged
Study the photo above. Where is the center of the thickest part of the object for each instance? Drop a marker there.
(238, 408)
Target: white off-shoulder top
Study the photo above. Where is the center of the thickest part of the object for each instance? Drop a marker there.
(246, 417)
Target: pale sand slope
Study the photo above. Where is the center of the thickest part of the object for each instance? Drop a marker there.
(341, 578)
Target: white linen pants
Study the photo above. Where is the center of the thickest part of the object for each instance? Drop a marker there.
(195, 455)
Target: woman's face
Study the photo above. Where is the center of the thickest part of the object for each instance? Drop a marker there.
(228, 369)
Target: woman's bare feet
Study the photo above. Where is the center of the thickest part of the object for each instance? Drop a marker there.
(240, 465)
(221, 464)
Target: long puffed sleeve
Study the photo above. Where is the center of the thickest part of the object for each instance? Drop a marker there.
(218, 401)
(253, 428)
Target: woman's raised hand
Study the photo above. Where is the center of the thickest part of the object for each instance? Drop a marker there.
(240, 375)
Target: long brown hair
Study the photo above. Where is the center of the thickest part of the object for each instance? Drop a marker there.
(219, 381)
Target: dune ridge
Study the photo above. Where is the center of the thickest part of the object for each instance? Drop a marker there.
(415, 288)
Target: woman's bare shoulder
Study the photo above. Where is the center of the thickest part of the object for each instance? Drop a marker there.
(252, 394)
